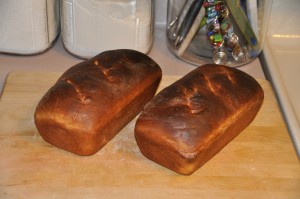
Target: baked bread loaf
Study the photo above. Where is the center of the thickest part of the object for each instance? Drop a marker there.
(190, 121)
(93, 100)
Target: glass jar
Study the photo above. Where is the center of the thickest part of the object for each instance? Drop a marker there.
(28, 26)
(227, 32)
(93, 26)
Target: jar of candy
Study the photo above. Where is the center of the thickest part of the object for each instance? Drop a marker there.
(227, 32)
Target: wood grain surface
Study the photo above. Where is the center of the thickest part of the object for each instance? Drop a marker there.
(260, 163)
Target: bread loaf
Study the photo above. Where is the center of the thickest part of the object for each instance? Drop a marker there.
(190, 121)
(93, 100)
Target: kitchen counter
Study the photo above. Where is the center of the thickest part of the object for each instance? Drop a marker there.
(58, 59)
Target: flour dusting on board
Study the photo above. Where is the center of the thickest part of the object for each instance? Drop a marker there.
(123, 143)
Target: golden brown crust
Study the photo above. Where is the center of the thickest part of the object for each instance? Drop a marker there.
(93, 100)
(190, 121)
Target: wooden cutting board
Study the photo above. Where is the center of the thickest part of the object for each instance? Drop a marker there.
(259, 163)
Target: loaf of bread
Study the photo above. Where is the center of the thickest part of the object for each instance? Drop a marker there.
(190, 121)
(93, 100)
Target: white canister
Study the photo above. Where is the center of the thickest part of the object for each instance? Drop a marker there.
(92, 26)
(28, 26)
